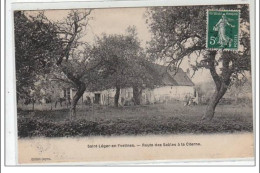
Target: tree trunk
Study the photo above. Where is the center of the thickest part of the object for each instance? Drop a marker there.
(137, 95)
(210, 111)
(80, 91)
(117, 96)
(81, 87)
(33, 104)
(221, 81)
(51, 103)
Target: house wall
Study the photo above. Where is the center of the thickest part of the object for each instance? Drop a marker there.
(173, 92)
(160, 94)
(106, 96)
(148, 96)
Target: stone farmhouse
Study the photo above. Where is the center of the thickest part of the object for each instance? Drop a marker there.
(172, 87)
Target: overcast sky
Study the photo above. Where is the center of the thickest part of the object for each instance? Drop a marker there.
(116, 21)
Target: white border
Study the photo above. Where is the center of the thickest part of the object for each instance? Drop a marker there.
(11, 5)
(70, 4)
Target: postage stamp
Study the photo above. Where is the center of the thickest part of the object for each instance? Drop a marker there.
(223, 29)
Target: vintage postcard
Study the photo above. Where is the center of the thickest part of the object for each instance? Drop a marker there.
(124, 84)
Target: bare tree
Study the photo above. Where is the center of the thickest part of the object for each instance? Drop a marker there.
(74, 60)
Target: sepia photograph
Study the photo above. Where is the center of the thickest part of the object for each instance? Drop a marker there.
(134, 84)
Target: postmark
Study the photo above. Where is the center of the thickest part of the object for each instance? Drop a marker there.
(223, 29)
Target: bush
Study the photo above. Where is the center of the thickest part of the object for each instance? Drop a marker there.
(29, 127)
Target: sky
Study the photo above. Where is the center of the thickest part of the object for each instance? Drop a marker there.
(116, 21)
(109, 21)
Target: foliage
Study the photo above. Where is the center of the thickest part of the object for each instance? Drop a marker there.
(119, 54)
(74, 61)
(124, 63)
(49, 88)
(36, 45)
(177, 36)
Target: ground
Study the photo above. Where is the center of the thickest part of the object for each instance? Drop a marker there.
(168, 118)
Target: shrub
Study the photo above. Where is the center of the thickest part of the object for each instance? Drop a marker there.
(29, 127)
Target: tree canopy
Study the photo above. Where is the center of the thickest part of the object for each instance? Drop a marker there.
(124, 64)
(36, 45)
(180, 32)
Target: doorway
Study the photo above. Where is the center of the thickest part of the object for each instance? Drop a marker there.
(97, 98)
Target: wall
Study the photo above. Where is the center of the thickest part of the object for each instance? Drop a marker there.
(107, 96)
(173, 92)
(149, 96)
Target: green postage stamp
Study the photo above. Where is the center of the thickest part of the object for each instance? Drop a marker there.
(223, 29)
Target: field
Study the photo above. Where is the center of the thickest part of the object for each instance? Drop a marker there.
(170, 118)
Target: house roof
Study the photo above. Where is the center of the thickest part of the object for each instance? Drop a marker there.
(160, 75)
(169, 77)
